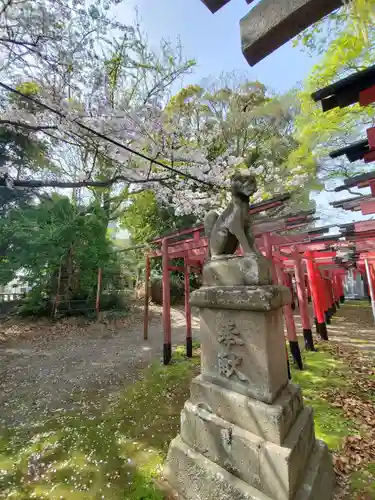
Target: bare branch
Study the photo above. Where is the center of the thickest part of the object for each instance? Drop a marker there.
(36, 128)
(32, 184)
(23, 43)
(6, 5)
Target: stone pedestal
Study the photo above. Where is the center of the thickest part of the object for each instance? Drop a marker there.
(245, 434)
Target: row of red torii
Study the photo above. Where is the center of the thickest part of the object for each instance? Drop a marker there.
(318, 261)
(313, 257)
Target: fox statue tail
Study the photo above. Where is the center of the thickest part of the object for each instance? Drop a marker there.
(209, 222)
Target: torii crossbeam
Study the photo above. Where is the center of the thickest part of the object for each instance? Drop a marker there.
(272, 23)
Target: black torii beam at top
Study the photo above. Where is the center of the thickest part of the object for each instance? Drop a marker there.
(361, 181)
(272, 23)
(354, 152)
(215, 5)
(353, 204)
(357, 87)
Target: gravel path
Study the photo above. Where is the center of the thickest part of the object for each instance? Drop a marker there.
(44, 367)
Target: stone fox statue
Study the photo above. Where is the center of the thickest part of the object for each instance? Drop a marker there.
(225, 232)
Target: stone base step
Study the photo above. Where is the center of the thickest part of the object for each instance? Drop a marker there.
(270, 422)
(275, 470)
(319, 482)
(194, 477)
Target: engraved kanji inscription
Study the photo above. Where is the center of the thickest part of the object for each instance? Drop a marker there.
(228, 366)
(230, 336)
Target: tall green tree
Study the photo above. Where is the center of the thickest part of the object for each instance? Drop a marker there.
(56, 237)
(145, 218)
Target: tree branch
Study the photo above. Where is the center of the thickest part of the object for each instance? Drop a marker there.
(6, 5)
(36, 128)
(18, 42)
(66, 185)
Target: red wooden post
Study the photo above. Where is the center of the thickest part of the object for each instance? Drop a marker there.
(289, 284)
(336, 289)
(316, 295)
(147, 297)
(332, 292)
(289, 321)
(189, 340)
(370, 271)
(98, 290)
(323, 295)
(329, 298)
(268, 251)
(327, 289)
(341, 288)
(167, 348)
(57, 296)
(303, 303)
(308, 289)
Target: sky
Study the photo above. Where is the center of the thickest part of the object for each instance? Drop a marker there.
(213, 40)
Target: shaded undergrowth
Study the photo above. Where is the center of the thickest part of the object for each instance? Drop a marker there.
(110, 449)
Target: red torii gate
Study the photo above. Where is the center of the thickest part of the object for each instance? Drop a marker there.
(311, 252)
(194, 249)
(356, 88)
(313, 260)
(363, 233)
(290, 253)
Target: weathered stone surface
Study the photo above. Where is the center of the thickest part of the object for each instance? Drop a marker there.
(244, 351)
(271, 23)
(197, 478)
(242, 298)
(270, 422)
(215, 5)
(282, 467)
(236, 270)
(270, 468)
(244, 432)
(234, 449)
(319, 480)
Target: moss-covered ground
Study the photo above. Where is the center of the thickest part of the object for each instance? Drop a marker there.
(114, 447)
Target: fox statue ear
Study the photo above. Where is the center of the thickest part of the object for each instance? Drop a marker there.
(236, 177)
(255, 183)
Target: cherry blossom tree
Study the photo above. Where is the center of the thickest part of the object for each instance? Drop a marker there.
(95, 80)
(94, 84)
(230, 124)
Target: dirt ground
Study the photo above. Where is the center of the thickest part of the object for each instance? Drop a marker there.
(46, 366)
